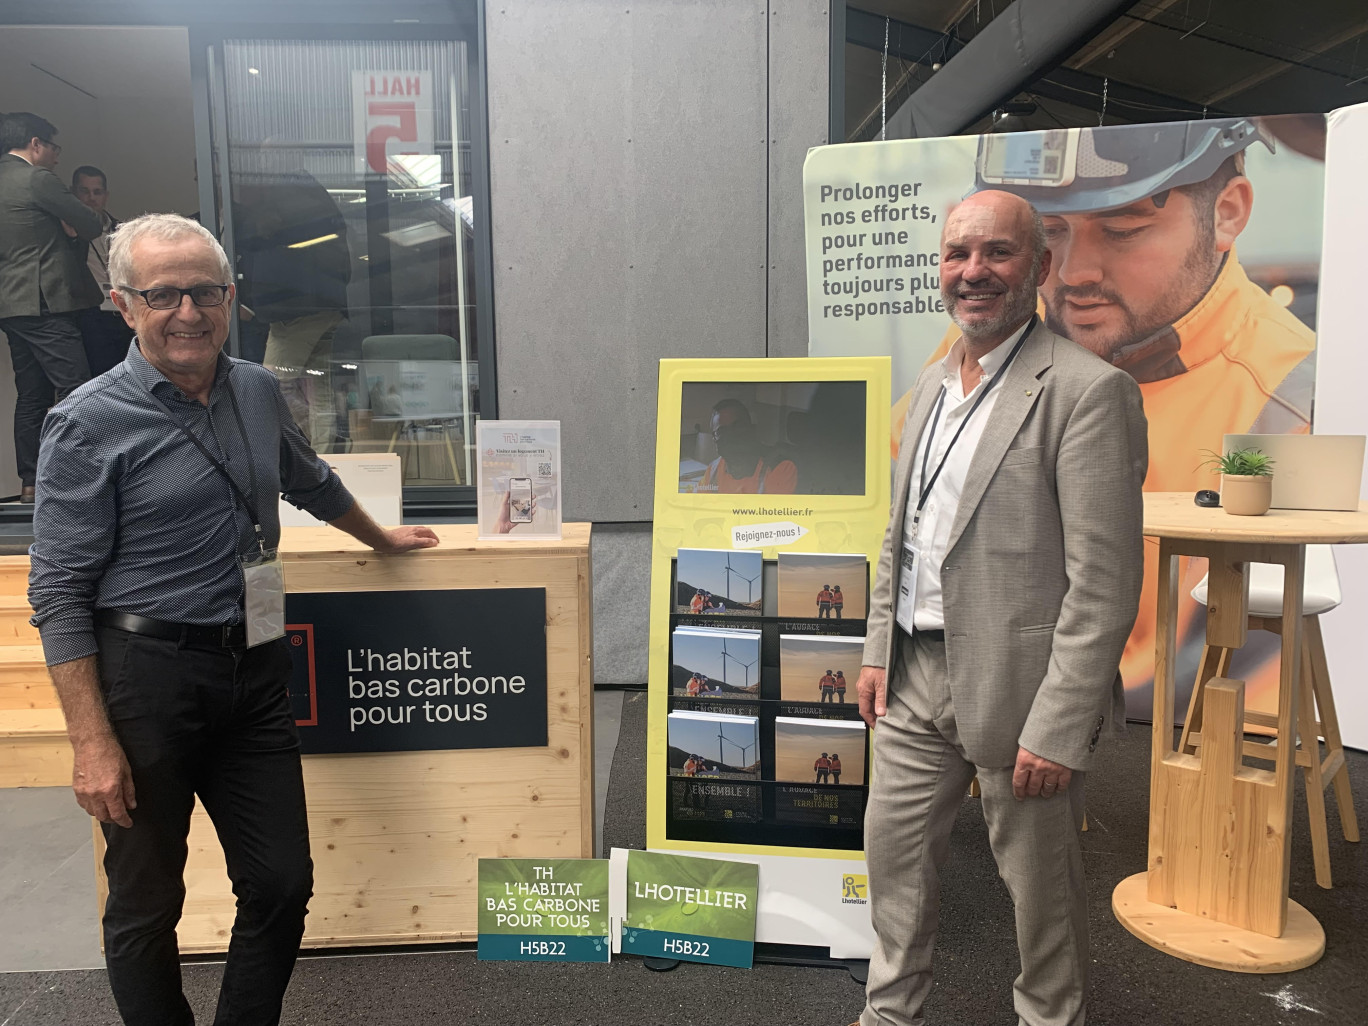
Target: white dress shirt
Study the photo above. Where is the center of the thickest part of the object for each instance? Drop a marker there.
(97, 259)
(938, 515)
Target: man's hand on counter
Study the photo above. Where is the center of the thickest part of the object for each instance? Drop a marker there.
(404, 539)
(358, 523)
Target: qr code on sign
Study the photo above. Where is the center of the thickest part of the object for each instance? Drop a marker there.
(544, 469)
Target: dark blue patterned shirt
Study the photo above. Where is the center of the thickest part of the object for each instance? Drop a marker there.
(132, 516)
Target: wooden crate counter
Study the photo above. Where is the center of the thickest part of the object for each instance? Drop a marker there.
(396, 835)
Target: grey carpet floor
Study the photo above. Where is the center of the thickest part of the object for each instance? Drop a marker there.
(1132, 983)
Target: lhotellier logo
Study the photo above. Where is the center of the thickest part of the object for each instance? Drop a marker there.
(854, 889)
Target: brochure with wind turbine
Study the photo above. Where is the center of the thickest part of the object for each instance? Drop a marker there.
(709, 663)
(719, 582)
(713, 746)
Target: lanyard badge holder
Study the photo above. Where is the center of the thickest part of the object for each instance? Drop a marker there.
(263, 577)
(910, 563)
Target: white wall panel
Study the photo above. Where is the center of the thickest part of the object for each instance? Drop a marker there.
(1341, 377)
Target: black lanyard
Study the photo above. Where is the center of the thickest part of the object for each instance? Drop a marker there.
(935, 418)
(246, 502)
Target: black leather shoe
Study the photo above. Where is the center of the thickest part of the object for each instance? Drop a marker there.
(26, 494)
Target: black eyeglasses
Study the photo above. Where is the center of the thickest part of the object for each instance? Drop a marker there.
(56, 147)
(168, 297)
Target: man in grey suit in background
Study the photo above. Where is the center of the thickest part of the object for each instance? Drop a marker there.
(44, 281)
(1007, 585)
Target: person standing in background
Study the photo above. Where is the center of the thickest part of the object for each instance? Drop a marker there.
(295, 263)
(103, 330)
(44, 281)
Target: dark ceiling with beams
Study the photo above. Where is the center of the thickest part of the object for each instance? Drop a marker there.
(1160, 60)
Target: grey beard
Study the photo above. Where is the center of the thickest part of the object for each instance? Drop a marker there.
(1020, 305)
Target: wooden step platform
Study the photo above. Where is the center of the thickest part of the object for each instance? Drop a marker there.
(14, 573)
(15, 628)
(34, 750)
(24, 680)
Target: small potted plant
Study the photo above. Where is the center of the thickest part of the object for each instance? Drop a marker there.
(1246, 481)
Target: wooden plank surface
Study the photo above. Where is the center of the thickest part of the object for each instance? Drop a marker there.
(14, 574)
(1222, 842)
(457, 542)
(1213, 944)
(38, 694)
(1175, 515)
(1227, 602)
(34, 750)
(15, 628)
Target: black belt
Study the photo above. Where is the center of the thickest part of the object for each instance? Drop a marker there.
(930, 635)
(233, 635)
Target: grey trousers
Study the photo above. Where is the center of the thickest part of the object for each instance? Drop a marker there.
(920, 778)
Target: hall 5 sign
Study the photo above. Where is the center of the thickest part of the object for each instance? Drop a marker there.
(394, 113)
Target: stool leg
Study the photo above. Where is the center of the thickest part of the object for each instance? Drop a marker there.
(1215, 662)
(1325, 700)
(451, 456)
(1315, 785)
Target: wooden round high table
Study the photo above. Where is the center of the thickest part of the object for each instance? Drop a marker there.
(1216, 892)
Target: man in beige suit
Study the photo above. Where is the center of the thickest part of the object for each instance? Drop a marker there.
(1006, 588)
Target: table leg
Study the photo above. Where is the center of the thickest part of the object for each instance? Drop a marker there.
(1217, 885)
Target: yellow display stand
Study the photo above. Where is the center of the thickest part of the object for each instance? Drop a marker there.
(810, 893)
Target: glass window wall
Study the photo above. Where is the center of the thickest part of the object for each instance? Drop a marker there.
(348, 212)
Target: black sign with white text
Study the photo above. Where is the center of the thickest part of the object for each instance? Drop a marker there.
(400, 671)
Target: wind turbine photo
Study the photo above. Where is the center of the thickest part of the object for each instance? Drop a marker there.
(750, 581)
(751, 647)
(708, 582)
(712, 663)
(723, 741)
(693, 736)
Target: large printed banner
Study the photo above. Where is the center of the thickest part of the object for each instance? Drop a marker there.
(1187, 253)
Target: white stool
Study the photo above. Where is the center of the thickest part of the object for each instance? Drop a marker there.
(1320, 594)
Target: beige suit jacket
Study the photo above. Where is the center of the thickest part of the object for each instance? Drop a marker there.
(1041, 579)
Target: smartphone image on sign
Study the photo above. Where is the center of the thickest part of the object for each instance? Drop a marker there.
(520, 500)
(1042, 159)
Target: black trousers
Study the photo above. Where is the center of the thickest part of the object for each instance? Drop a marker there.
(49, 362)
(216, 723)
(105, 335)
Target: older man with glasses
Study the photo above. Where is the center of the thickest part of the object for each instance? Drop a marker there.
(158, 594)
(44, 282)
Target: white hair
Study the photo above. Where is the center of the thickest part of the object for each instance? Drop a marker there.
(163, 228)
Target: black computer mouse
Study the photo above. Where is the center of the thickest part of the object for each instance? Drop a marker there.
(1206, 497)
